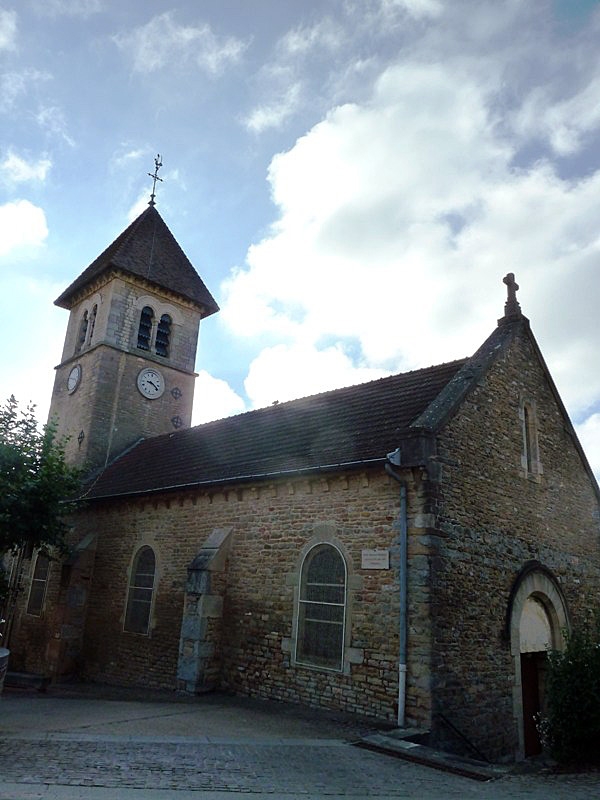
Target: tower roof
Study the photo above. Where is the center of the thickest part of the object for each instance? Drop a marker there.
(147, 249)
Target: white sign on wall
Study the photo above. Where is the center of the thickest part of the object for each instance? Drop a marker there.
(375, 559)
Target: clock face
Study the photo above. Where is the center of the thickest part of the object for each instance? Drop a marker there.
(151, 383)
(74, 378)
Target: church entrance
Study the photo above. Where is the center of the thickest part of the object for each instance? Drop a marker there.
(535, 639)
(538, 618)
(532, 685)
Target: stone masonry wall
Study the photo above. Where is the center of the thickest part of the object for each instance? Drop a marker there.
(271, 524)
(107, 407)
(491, 519)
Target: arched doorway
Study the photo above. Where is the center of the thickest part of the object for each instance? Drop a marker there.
(537, 617)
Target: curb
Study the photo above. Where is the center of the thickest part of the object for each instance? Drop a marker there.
(427, 756)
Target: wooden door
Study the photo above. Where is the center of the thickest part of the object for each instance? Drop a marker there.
(531, 672)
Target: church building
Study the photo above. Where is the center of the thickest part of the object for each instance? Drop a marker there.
(406, 549)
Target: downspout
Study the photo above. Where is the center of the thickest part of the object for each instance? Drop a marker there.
(393, 459)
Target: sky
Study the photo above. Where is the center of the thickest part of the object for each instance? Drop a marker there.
(351, 178)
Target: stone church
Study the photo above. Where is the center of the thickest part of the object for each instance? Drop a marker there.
(406, 549)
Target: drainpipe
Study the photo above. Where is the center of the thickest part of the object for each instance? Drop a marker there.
(393, 459)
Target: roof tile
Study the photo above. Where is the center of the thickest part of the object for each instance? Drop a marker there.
(147, 249)
(344, 426)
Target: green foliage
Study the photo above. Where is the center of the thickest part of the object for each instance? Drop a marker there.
(37, 486)
(571, 726)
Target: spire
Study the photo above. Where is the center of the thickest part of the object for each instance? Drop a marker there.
(512, 309)
(154, 176)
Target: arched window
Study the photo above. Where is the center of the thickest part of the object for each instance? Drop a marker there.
(83, 327)
(145, 329)
(163, 333)
(92, 323)
(322, 609)
(141, 589)
(39, 582)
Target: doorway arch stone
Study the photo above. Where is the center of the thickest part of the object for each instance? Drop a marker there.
(537, 618)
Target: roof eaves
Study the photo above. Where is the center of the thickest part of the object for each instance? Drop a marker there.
(250, 478)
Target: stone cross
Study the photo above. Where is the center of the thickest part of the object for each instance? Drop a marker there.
(511, 307)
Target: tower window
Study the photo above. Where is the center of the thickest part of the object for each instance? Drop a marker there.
(163, 334)
(322, 608)
(141, 590)
(145, 329)
(92, 323)
(39, 582)
(83, 327)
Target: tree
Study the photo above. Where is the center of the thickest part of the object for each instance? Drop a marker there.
(37, 487)
(571, 724)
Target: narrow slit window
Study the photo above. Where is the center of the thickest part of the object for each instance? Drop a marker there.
(322, 609)
(145, 328)
(530, 458)
(527, 435)
(141, 590)
(163, 335)
(39, 583)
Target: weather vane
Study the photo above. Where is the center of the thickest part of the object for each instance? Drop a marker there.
(154, 176)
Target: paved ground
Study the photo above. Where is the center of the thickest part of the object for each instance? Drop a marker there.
(220, 748)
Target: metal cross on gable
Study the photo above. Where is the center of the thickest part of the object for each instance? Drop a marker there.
(154, 176)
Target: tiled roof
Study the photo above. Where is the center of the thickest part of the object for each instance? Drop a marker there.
(147, 249)
(341, 427)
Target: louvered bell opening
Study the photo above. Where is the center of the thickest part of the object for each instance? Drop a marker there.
(145, 329)
(163, 334)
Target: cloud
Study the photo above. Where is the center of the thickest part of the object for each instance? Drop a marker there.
(69, 8)
(52, 120)
(284, 372)
(163, 42)
(415, 8)
(589, 435)
(325, 35)
(399, 214)
(15, 169)
(13, 85)
(22, 225)
(8, 30)
(29, 379)
(276, 112)
(281, 82)
(362, 199)
(214, 399)
(128, 154)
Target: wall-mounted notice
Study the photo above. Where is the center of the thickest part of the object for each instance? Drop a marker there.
(375, 559)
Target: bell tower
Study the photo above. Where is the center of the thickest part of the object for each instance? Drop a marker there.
(127, 367)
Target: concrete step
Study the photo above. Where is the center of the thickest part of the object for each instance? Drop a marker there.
(397, 743)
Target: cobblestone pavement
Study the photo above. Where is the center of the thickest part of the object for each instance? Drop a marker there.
(327, 768)
(77, 761)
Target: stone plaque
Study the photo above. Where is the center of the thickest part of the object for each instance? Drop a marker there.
(375, 559)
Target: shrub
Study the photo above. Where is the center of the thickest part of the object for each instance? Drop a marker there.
(571, 725)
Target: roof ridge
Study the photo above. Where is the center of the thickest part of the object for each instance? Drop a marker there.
(349, 387)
